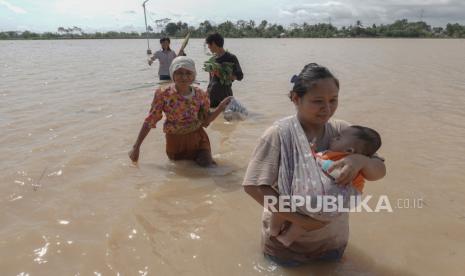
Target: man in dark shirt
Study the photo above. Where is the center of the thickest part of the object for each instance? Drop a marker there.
(216, 91)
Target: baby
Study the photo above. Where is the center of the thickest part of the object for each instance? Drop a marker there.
(354, 139)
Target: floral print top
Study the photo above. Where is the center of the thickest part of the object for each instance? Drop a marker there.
(183, 114)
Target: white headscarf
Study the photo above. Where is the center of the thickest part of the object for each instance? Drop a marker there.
(182, 62)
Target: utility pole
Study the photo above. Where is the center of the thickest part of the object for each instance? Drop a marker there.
(149, 52)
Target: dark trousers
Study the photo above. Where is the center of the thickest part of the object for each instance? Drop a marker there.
(217, 93)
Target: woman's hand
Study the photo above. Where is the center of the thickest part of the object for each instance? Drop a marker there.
(224, 103)
(134, 154)
(312, 224)
(220, 108)
(259, 192)
(350, 166)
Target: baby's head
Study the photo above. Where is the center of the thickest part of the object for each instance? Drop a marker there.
(357, 139)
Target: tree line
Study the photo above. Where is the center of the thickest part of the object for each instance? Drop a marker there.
(250, 29)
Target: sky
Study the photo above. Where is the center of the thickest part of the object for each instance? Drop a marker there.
(128, 15)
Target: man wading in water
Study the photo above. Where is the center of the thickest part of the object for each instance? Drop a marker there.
(217, 91)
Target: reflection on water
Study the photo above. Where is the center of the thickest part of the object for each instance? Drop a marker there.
(73, 203)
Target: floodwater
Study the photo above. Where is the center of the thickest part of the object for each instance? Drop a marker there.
(73, 204)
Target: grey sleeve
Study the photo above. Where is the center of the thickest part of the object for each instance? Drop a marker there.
(264, 163)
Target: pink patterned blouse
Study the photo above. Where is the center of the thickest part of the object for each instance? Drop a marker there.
(183, 114)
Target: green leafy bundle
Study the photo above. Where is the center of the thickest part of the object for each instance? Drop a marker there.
(223, 71)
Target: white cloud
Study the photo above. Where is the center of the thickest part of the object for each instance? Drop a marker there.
(301, 13)
(112, 14)
(12, 8)
(95, 8)
(345, 12)
(285, 13)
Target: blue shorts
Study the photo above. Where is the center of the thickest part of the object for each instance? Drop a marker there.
(164, 77)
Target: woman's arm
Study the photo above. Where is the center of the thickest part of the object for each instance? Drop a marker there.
(155, 115)
(145, 129)
(371, 168)
(212, 115)
(134, 153)
(259, 192)
(374, 169)
(152, 58)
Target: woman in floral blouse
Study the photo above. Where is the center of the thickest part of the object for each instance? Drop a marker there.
(187, 112)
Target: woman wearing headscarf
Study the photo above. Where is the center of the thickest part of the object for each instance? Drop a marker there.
(187, 111)
(282, 164)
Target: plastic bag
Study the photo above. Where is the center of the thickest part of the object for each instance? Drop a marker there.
(235, 111)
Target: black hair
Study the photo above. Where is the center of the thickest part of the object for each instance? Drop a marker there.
(163, 39)
(215, 38)
(308, 77)
(370, 138)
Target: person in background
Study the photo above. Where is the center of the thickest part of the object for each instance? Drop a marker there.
(217, 91)
(165, 56)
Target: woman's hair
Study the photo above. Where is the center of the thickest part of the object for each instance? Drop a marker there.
(215, 38)
(308, 77)
(163, 39)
